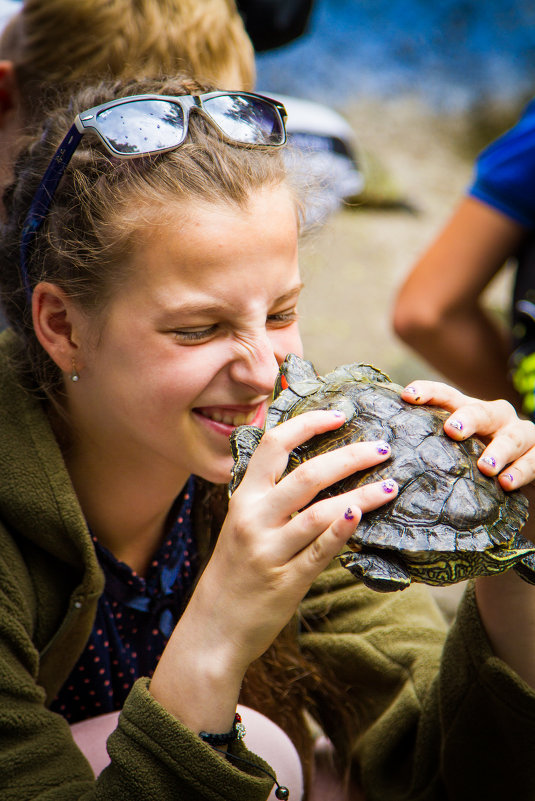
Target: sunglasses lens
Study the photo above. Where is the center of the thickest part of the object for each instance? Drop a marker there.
(142, 126)
(246, 119)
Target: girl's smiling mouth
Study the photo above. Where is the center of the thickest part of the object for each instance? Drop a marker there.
(229, 417)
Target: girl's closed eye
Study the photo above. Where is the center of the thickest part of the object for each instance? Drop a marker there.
(283, 318)
(193, 336)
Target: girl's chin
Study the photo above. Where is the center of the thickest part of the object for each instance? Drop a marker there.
(219, 471)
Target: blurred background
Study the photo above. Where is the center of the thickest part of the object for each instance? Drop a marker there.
(421, 88)
(424, 87)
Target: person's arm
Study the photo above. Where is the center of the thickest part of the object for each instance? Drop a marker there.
(438, 310)
(437, 716)
(264, 562)
(152, 754)
(506, 602)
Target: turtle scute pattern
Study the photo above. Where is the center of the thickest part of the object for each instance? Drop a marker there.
(449, 522)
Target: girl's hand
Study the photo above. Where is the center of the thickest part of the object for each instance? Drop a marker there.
(269, 553)
(510, 452)
(506, 604)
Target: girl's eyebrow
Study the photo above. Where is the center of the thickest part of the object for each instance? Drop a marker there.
(198, 307)
(291, 294)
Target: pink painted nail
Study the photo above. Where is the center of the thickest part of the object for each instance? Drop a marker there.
(383, 448)
(389, 485)
(348, 514)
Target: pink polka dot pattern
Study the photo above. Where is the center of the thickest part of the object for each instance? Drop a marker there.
(134, 620)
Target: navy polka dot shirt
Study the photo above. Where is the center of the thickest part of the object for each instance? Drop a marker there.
(135, 618)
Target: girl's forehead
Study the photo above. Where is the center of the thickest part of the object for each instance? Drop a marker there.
(184, 212)
(209, 247)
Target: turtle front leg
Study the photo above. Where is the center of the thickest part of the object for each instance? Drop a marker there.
(377, 571)
(526, 568)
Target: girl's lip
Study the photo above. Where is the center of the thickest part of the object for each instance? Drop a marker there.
(227, 418)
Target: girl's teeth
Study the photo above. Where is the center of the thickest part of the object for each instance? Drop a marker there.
(238, 419)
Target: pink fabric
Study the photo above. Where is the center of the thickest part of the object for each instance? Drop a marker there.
(90, 736)
(326, 784)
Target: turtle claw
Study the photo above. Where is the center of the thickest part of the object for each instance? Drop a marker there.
(243, 443)
(377, 572)
(526, 568)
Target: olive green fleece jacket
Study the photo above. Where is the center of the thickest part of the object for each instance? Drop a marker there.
(442, 719)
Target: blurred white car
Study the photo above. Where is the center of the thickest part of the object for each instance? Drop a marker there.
(327, 145)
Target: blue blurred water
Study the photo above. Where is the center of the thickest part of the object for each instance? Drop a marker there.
(452, 53)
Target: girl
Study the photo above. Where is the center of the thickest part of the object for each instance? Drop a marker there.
(150, 275)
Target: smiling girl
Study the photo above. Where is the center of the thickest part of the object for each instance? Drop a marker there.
(150, 274)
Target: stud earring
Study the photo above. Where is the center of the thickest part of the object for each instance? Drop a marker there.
(74, 372)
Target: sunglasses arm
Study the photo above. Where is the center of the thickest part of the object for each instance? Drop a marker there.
(43, 197)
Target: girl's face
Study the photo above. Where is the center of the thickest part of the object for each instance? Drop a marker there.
(191, 345)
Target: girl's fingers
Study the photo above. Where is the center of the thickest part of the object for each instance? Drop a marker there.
(470, 415)
(270, 459)
(495, 422)
(435, 393)
(512, 473)
(320, 530)
(510, 453)
(301, 486)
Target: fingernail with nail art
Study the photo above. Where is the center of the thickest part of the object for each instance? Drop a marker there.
(348, 514)
(508, 476)
(456, 424)
(383, 448)
(389, 485)
(490, 460)
(336, 413)
(410, 390)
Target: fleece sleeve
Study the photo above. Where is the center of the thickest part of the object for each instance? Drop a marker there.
(436, 715)
(152, 755)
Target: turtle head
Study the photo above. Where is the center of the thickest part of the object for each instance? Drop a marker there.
(294, 372)
(297, 379)
(297, 384)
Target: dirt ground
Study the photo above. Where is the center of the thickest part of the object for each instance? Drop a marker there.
(354, 264)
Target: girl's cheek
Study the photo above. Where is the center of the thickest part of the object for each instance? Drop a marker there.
(289, 342)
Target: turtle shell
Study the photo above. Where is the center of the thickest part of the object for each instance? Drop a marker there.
(448, 522)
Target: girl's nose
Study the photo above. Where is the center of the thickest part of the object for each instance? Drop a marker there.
(255, 365)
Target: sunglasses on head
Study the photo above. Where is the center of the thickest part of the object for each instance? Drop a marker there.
(145, 124)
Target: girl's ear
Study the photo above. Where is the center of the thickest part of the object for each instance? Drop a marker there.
(58, 325)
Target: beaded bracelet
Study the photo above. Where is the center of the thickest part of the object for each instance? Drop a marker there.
(236, 733)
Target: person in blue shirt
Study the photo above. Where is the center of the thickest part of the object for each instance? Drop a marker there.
(439, 309)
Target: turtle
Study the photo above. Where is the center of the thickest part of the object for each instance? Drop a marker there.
(448, 523)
